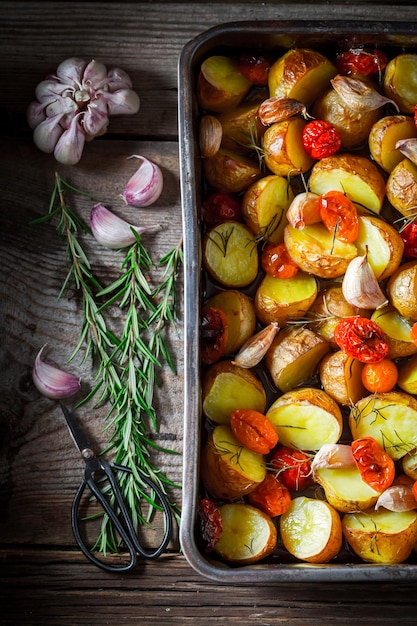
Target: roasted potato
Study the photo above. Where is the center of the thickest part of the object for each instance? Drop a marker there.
(264, 207)
(248, 534)
(352, 174)
(220, 84)
(278, 299)
(316, 251)
(407, 375)
(311, 530)
(283, 150)
(230, 255)
(229, 171)
(294, 355)
(241, 128)
(397, 331)
(240, 313)
(301, 74)
(228, 469)
(384, 135)
(409, 464)
(344, 488)
(402, 187)
(381, 536)
(402, 290)
(382, 244)
(400, 81)
(305, 418)
(227, 387)
(340, 376)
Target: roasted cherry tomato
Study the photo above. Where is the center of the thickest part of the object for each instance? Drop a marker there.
(413, 333)
(210, 523)
(415, 114)
(213, 334)
(339, 215)
(255, 67)
(253, 430)
(220, 207)
(363, 62)
(292, 466)
(361, 339)
(375, 465)
(414, 489)
(380, 377)
(276, 261)
(320, 139)
(271, 496)
(409, 237)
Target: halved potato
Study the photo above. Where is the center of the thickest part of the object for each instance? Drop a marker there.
(283, 149)
(390, 418)
(402, 188)
(344, 488)
(400, 81)
(382, 243)
(409, 464)
(242, 128)
(407, 375)
(229, 171)
(316, 251)
(302, 74)
(306, 418)
(294, 355)
(340, 376)
(384, 135)
(228, 469)
(311, 530)
(264, 207)
(381, 536)
(240, 313)
(227, 387)
(352, 174)
(220, 84)
(248, 534)
(278, 299)
(230, 255)
(402, 290)
(397, 331)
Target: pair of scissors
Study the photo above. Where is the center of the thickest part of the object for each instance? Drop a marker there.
(117, 512)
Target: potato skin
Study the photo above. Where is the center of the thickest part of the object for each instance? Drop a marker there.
(383, 136)
(240, 313)
(389, 237)
(402, 187)
(230, 172)
(269, 308)
(340, 376)
(400, 83)
(402, 290)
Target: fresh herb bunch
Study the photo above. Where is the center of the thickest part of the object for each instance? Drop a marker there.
(126, 366)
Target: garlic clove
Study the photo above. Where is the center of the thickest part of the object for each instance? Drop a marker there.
(112, 231)
(70, 145)
(122, 101)
(47, 133)
(71, 70)
(52, 382)
(397, 498)
(333, 456)
(408, 147)
(255, 348)
(35, 114)
(96, 120)
(358, 95)
(277, 109)
(360, 287)
(210, 135)
(118, 79)
(48, 89)
(304, 209)
(95, 74)
(146, 184)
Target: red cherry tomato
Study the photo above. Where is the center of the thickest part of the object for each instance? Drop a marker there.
(220, 207)
(320, 139)
(375, 465)
(253, 430)
(363, 62)
(271, 496)
(409, 237)
(210, 523)
(213, 334)
(339, 215)
(414, 489)
(361, 339)
(254, 67)
(292, 466)
(276, 261)
(379, 377)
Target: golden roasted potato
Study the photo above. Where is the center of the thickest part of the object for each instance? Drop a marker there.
(402, 187)
(264, 207)
(340, 376)
(409, 464)
(407, 375)
(397, 331)
(278, 299)
(242, 128)
(220, 84)
(382, 244)
(230, 255)
(400, 81)
(390, 418)
(316, 251)
(344, 488)
(306, 418)
(241, 318)
(352, 174)
(311, 530)
(283, 150)
(227, 387)
(248, 534)
(381, 536)
(228, 469)
(301, 74)
(294, 355)
(384, 135)
(229, 171)
(402, 290)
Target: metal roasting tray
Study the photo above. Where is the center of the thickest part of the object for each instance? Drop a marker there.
(277, 37)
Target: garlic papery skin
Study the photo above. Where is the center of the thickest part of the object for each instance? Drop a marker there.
(112, 231)
(408, 147)
(303, 210)
(69, 147)
(333, 456)
(358, 95)
(360, 287)
(255, 348)
(146, 184)
(47, 133)
(52, 382)
(397, 498)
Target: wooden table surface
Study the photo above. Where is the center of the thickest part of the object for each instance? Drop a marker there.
(44, 578)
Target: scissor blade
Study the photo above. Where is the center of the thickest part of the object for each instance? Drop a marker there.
(78, 436)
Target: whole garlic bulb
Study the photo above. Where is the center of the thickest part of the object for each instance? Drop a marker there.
(74, 106)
